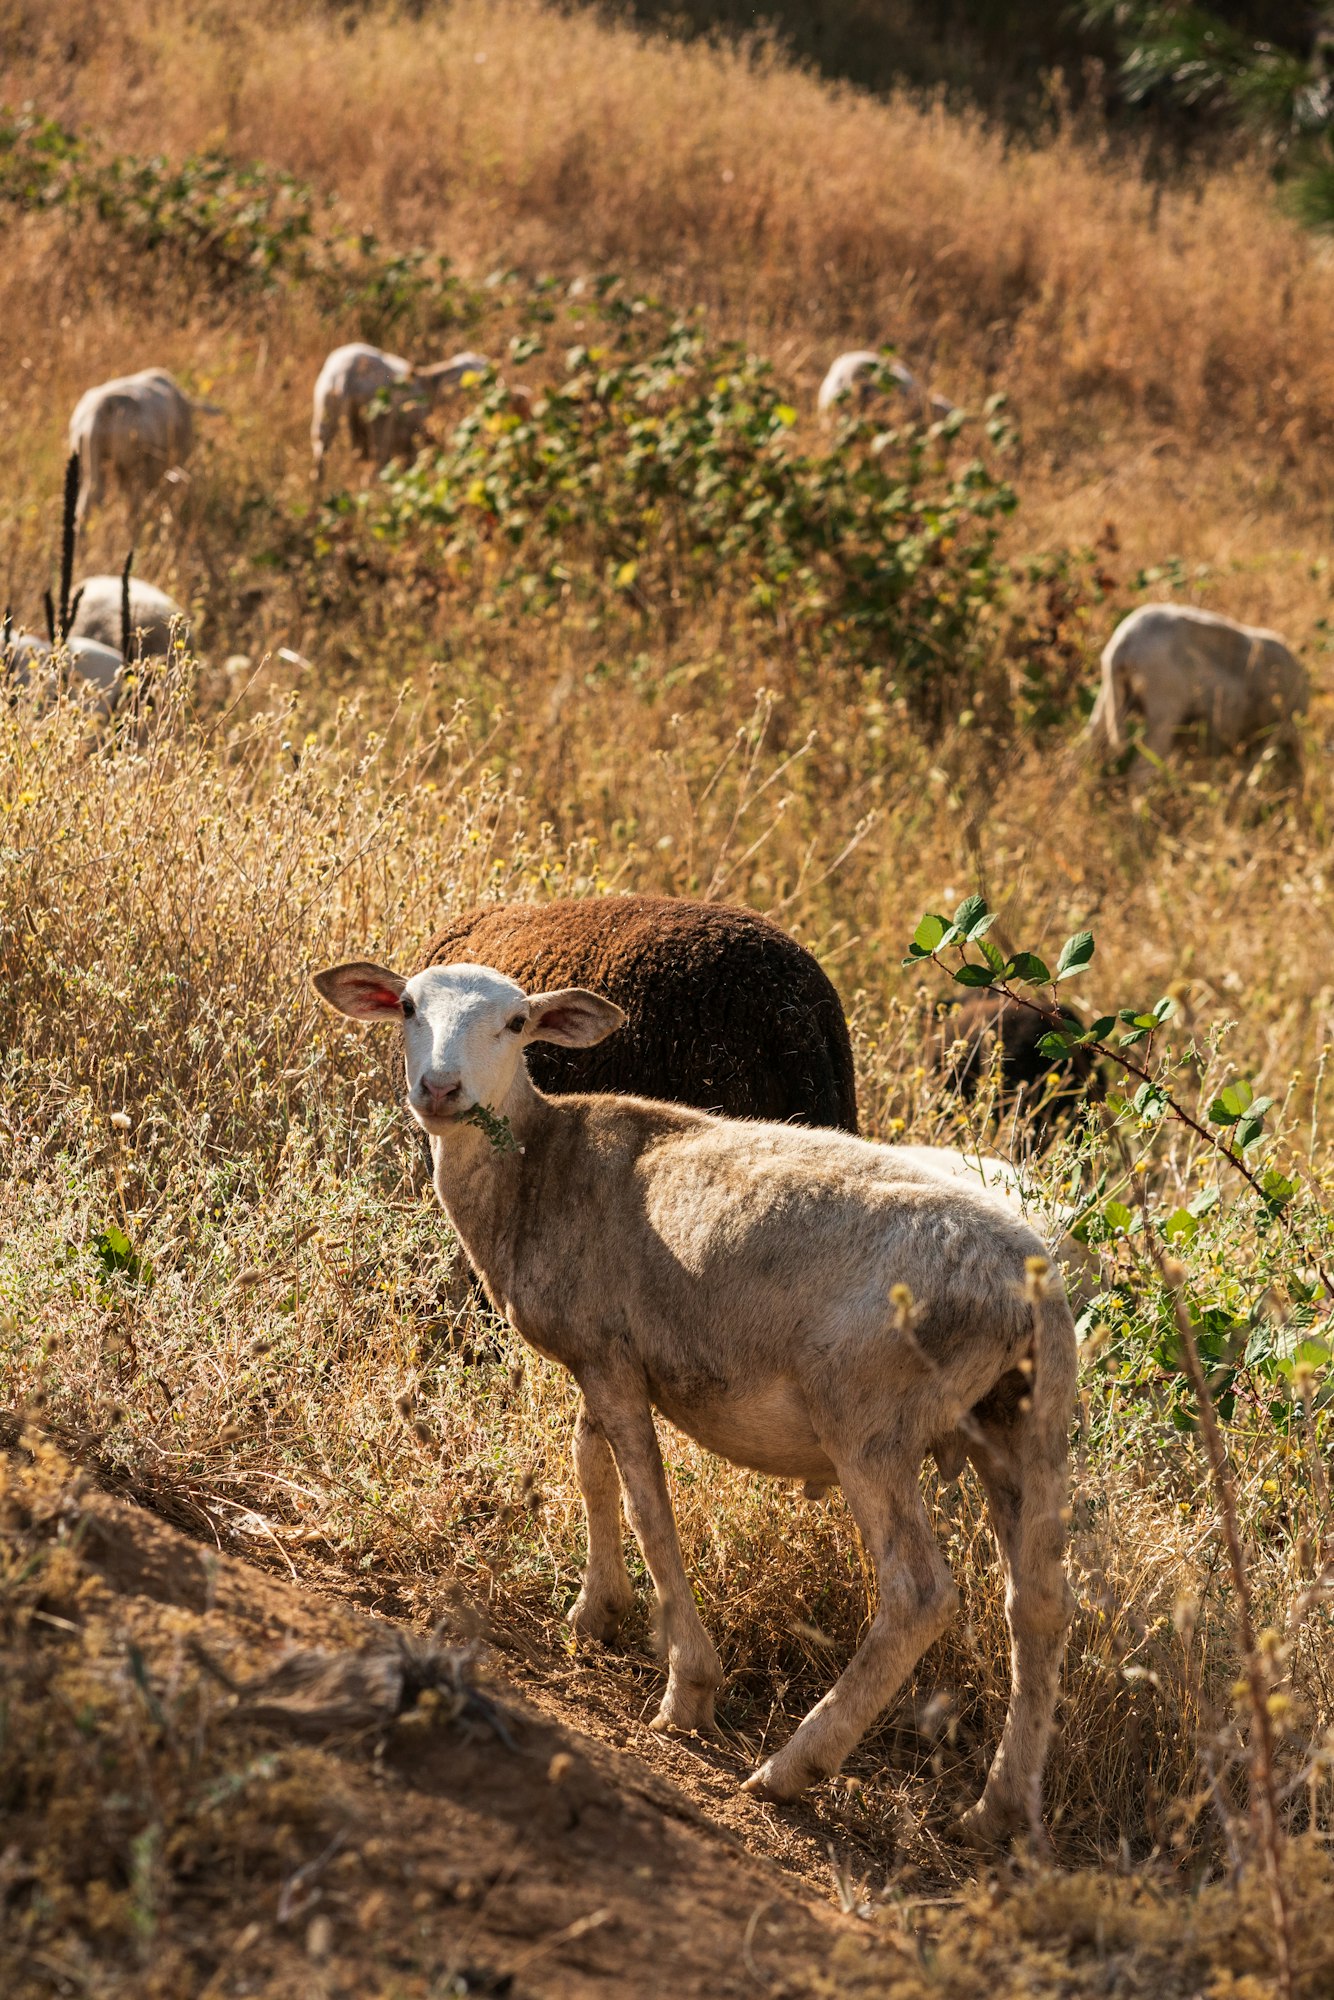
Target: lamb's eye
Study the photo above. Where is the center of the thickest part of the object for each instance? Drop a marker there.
(408, 1009)
(516, 1026)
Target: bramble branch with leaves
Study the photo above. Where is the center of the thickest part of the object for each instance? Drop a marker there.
(1235, 1110)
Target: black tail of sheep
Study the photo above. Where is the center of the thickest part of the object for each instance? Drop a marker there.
(125, 630)
(69, 527)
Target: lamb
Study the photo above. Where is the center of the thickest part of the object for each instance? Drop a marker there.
(726, 1011)
(97, 668)
(1177, 666)
(801, 1302)
(355, 376)
(153, 615)
(864, 374)
(134, 429)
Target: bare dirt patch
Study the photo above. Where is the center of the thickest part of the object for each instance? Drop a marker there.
(220, 1854)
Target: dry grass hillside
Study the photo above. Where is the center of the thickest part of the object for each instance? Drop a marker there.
(654, 629)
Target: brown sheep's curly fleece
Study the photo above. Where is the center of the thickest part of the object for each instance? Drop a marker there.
(723, 1009)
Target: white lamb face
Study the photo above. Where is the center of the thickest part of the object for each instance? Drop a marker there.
(464, 1029)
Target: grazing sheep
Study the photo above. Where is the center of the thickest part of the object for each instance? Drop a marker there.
(152, 615)
(801, 1302)
(351, 380)
(726, 1011)
(1178, 666)
(134, 430)
(864, 373)
(967, 1039)
(96, 667)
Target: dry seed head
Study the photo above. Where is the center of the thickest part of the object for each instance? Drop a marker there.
(1037, 1272)
(1305, 1380)
(1174, 1272)
(120, 1121)
(319, 1938)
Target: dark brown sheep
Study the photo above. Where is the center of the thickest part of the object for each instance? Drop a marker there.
(965, 1041)
(724, 1010)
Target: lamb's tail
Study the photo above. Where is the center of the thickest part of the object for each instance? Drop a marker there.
(1110, 707)
(1054, 1355)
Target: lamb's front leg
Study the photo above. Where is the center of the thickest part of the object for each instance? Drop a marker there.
(606, 1595)
(621, 1412)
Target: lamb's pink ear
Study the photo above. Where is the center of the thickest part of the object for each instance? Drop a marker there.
(364, 991)
(572, 1017)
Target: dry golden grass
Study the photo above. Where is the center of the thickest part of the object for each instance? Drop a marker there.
(161, 900)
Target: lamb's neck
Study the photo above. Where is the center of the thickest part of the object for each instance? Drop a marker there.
(479, 1178)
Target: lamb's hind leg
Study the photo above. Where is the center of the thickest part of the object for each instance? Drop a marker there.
(917, 1601)
(1025, 1476)
(606, 1595)
(621, 1411)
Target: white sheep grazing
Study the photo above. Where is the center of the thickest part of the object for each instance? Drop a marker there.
(96, 668)
(154, 616)
(351, 380)
(135, 430)
(1178, 666)
(863, 374)
(743, 1278)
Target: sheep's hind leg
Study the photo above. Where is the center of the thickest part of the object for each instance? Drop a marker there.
(606, 1594)
(1025, 1479)
(917, 1601)
(693, 1670)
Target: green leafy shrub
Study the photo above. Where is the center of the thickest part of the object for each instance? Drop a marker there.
(663, 463)
(236, 224)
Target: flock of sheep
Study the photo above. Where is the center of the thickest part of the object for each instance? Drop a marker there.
(643, 1126)
(1178, 668)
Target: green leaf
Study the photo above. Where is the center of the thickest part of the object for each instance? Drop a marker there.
(1075, 955)
(1097, 1029)
(1180, 1226)
(1251, 1127)
(1164, 1009)
(973, 917)
(929, 933)
(1026, 965)
(1207, 1199)
(1055, 1045)
(975, 975)
(1149, 1101)
(1117, 1216)
(994, 957)
(1231, 1104)
(1278, 1189)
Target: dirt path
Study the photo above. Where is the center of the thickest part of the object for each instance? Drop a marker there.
(425, 1859)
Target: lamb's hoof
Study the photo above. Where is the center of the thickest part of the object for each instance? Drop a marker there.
(779, 1779)
(685, 1714)
(597, 1620)
(987, 1826)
